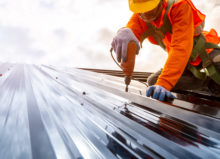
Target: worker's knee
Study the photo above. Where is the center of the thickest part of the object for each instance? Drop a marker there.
(152, 79)
(215, 57)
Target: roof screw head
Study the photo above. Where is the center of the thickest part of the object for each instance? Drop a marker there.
(84, 93)
(56, 77)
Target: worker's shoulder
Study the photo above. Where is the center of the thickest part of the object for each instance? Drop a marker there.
(182, 3)
(181, 6)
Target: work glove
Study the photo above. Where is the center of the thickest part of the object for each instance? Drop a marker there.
(120, 43)
(158, 92)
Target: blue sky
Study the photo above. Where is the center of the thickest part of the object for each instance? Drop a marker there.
(75, 33)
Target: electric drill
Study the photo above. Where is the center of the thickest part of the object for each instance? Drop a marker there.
(128, 66)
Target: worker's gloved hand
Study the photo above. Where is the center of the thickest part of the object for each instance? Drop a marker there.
(158, 92)
(120, 43)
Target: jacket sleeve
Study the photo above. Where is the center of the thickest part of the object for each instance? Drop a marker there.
(181, 45)
(137, 25)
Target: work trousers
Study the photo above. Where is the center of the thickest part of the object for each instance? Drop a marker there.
(189, 82)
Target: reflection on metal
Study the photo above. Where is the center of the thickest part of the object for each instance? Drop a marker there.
(51, 112)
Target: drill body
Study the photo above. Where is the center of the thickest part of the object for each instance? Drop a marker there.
(128, 66)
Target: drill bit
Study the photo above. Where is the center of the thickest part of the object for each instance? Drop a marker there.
(127, 82)
(126, 88)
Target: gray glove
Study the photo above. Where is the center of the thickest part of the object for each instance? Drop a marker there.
(120, 43)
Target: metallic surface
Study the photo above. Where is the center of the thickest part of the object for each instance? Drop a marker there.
(52, 112)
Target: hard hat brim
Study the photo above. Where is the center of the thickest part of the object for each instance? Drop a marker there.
(144, 6)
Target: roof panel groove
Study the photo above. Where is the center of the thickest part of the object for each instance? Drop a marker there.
(60, 112)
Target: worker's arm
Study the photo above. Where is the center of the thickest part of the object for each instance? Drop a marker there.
(181, 45)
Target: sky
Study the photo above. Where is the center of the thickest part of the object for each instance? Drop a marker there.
(76, 33)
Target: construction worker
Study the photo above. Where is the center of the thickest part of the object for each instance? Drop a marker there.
(177, 26)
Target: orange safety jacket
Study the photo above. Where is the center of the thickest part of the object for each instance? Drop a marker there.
(185, 20)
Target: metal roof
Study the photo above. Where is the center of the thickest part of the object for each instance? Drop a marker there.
(49, 112)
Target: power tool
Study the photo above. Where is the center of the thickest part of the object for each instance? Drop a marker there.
(128, 66)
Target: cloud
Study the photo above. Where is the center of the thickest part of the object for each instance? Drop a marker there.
(16, 45)
(60, 34)
(109, 1)
(47, 4)
(215, 20)
(211, 9)
(76, 33)
(53, 29)
(95, 57)
(3, 5)
(105, 36)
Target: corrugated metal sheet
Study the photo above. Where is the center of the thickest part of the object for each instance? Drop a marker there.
(48, 112)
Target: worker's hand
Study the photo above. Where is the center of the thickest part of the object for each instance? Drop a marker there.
(158, 92)
(120, 43)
